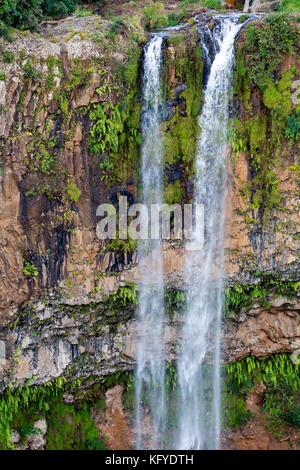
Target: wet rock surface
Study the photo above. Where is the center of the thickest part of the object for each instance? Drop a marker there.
(57, 321)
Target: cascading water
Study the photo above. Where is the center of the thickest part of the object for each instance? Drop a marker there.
(198, 363)
(150, 372)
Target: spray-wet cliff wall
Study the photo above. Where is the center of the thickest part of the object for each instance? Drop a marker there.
(70, 140)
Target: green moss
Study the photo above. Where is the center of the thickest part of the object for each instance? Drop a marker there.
(71, 427)
(252, 137)
(14, 402)
(257, 138)
(272, 97)
(181, 131)
(242, 80)
(173, 193)
(73, 192)
(277, 97)
(64, 106)
(234, 411)
(262, 135)
(213, 4)
(130, 71)
(243, 18)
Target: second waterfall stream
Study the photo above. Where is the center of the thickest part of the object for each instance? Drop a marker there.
(198, 404)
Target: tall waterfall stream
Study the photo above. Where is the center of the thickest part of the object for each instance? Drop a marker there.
(198, 400)
(198, 364)
(150, 374)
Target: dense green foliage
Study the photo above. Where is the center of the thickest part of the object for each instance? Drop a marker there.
(30, 270)
(155, 15)
(71, 427)
(14, 402)
(290, 5)
(239, 296)
(272, 371)
(292, 130)
(115, 128)
(8, 57)
(282, 380)
(68, 426)
(73, 192)
(115, 133)
(265, 46)
(213, 4)
(181, 128)
(24, 14)
(107, 127)
(261, 134)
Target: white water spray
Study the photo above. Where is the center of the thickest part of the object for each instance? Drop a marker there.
(150, 373)
(198, 363)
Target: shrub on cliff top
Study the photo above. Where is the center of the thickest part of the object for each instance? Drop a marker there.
(290, 5)
(155, 16)
(265, 44)
(24, 15)
(213, 4)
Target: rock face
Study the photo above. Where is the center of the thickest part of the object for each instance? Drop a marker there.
(255, 435)
(60, 309)
(100, 339)
(113, 423)
(262, 331)
(261, 6)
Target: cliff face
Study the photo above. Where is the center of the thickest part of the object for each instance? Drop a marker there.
(69, 139)
(54, 100)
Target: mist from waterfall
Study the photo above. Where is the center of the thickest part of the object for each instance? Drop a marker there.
(150, 371)
(199, 359)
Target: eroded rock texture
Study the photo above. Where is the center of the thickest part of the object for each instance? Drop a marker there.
(68, 317)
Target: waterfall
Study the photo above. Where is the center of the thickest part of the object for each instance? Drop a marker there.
(198, 362)
(150, 371)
